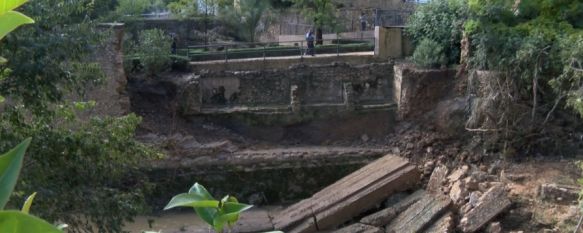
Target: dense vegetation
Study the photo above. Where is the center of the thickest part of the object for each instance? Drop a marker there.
(534, 47)
(47, 64)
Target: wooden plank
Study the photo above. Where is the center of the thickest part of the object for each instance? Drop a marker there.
(359, 228)
(384, 217)
(364, 200)
(420, 215)
(442, 225)
(340, 190)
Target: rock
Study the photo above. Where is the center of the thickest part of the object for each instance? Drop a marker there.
(365, 138)
(483, 187)
(494, 227)
(457, 192)
(445, 224)
(437, 179)
(420, 214)
(458, 174)
(492, 203)
(559, 193)
(470, 183)
(359, 228)
(385, 216)
(475, 198)
(428, 167)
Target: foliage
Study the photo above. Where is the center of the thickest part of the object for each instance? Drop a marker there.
(440, 21)
(17, 221)
(535, 43)
(184, 8)
(108, 192)
(321, 12)
(133, 7)
(429, 54)
(79, 167)
(245, 18)
(153, 51)
(217, 214)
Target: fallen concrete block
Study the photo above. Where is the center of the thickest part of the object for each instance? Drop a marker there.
(349, 197)
(385, 216)
(492, 203)
(444, 224)
(420, 215)
(359, 228)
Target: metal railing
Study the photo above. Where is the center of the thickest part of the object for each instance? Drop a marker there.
(231, 51)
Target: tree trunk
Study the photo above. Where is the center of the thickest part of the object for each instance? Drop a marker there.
(319, 37)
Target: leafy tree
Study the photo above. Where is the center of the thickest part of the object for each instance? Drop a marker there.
(321, 12)
(79, 168)
(429, 54)
(440, 21)
(152, 50)
(246, 17)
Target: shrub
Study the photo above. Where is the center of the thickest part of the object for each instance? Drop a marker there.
(429, 54)
(442, 22)
(152, 51)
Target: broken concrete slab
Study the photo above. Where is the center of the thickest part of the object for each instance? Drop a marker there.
(445, 224)
(349, 197)
(458, 174)
(437, 179)
(559, 193)
(359, 228)
(384, 217)
(458, 192)
(420, 215)
(492, 203)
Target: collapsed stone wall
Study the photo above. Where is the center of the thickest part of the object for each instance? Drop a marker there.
(110, 95)
(336, 84)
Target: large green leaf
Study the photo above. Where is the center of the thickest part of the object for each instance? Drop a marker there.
(8, 5)
(191, 200)
(10, 165)
(201, 190)
(11, 20)
(206, 214)
(18, 222)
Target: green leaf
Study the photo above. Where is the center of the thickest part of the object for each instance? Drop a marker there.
(3, 61)
(229, 214)
(8, 5)
(191, 200)
(206, 214)
(28, 203)
(201, 190)
(2, 99)
(18, 222)
(11, 20)
(10, 165)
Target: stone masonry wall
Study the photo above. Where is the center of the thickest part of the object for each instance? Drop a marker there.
(318, 85)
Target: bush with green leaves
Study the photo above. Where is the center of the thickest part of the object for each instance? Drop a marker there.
(429, 54)
(85, 172)
(440, 21)
(152, 51)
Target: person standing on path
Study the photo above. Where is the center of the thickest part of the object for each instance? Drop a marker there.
(310, 40)
(363, 21)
